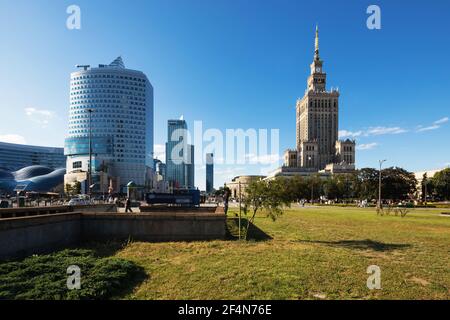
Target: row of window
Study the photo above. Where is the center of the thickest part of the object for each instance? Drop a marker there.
(104, 112)
(106, 76)
(106, 108)
(104, 96)
(348, 149)
(133, 124)
(81, 114)
(111, 86)
(104, 87)
(77, 101)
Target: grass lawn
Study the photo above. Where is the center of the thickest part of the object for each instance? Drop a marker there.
(310, 253)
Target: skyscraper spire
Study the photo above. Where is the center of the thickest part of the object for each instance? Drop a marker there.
(316, 51)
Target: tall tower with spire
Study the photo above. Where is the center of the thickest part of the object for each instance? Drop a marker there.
(317, 119)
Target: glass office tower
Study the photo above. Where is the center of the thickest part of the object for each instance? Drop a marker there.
(209, 172)
(179, 155)
(117, 104)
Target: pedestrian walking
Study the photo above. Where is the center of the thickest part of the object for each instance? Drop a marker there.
(128, 206)
(226, 197)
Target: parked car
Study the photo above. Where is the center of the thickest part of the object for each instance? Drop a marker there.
(78, 202)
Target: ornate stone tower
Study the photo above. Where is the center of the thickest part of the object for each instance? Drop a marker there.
(317, 118)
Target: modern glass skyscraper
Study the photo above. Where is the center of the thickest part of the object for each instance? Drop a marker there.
(121, 119)
(179, 155)
(209, 172)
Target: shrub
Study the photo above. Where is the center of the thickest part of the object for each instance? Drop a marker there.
(44, 276)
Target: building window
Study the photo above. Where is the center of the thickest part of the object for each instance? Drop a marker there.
(76, 165)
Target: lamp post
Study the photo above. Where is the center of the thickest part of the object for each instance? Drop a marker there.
(312, 182)
(379, 184)
(425, 182)
(240, 209)
(90, 153)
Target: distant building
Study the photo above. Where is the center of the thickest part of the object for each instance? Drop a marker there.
(420, 187)
(317, 122)
(32, 178)
(209, 173)
(317, 125)
(121, 105)
(190, 167)
(160, 168)
(179, 156)
(238, 184)
(17, 156)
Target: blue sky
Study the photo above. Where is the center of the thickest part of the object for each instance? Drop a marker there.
(240, 64)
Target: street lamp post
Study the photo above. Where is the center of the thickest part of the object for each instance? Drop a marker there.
(240, 209)
(312, 182)
(90, 152)
(379, 184)
(425, 185)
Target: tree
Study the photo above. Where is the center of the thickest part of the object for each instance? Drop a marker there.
(73, 189)
(441, 184)
(221, 191)
(332, 188)
(68, 188)
(397, 183)
(298, 189)
(367, 187)
(315, 184)
(77, 187)
(265, 196)
(426, 187)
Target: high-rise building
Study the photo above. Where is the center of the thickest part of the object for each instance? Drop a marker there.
(160, 168)
(209, 172)
(113, 106)
(317, 125)
(190, 167)
(317, 122)
(179, 155)
(17, 156)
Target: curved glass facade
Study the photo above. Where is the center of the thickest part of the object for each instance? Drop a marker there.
(121, 101)
(16, 156)
(80, 146)
(32, 178)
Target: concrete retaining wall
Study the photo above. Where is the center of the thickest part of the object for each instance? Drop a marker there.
(153, 226)
(23, 236)
(28, 235)
(35, 211)
(95, 208)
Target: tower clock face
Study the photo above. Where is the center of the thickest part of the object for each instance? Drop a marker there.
(317, 69)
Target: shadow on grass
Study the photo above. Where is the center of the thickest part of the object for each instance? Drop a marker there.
(254, 233)
(138, 277)
(105, 249)
(362, 244)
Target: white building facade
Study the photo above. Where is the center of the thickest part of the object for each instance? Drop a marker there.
(115, 106)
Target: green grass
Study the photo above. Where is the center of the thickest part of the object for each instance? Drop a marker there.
(44, 276)
(313, 252)
(308, 253)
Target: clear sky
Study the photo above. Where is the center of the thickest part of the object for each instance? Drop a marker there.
(240, 64)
